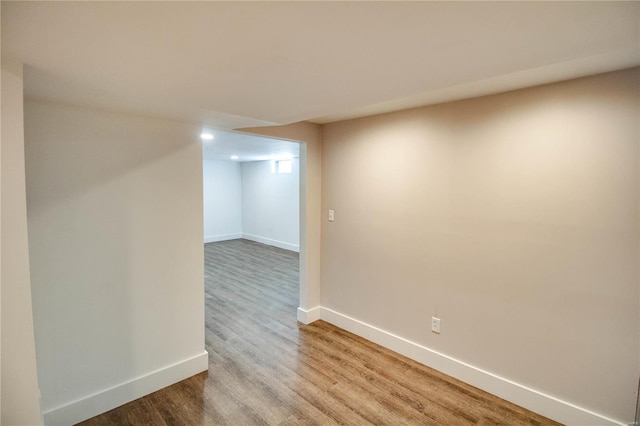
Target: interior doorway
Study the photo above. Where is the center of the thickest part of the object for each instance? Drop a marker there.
(253, 189)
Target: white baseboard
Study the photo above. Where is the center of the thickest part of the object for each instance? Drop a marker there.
(270, 242)
(107, 399)
(531, 399)
(223, 237)
(309, 316)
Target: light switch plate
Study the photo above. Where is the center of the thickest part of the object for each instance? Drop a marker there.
(435, 325)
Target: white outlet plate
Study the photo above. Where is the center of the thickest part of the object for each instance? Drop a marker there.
(332, 215)
(435, 325)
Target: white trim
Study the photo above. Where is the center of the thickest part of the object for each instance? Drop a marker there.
(531, 399)
(309, 316)
(270, 242)
(223, 237)
(115, 396)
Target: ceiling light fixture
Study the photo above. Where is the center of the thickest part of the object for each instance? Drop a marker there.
(206, 136)
(234, 157)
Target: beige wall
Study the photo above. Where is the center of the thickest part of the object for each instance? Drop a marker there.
(19, 385)
(115, 233)
(310, 184)
(513, 218)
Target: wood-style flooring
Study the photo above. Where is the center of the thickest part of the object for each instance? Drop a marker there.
(265, 368)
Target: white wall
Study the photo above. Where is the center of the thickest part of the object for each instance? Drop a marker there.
(19, 385)
(271, 204)
(513, 218)
(222, 186)
(115, 233)
(247, 200)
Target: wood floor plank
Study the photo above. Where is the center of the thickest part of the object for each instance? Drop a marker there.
(266, 368)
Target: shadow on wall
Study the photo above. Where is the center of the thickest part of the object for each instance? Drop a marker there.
(115, 233)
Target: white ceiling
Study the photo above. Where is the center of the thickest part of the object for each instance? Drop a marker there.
(246, 147)
(238, 64)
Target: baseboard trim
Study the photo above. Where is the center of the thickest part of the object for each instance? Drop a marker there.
(110, 398)
(223, 237)
(531, 399)
(309, 316)
(270, 242)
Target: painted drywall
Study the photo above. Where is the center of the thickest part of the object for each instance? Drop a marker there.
(19, 384)
(271, 204)
(513, 218)
(222, 200)
(115, 232)
(310, 137)
(247, 200)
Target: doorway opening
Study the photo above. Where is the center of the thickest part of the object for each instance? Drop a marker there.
(254, 194)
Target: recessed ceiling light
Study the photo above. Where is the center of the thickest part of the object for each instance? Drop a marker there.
(206, 136)
(234, 157)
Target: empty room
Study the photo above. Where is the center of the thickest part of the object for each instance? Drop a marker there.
(458, 241)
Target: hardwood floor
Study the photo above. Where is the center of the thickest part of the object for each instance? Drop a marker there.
(266, 368)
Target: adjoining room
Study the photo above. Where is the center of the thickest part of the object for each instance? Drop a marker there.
(251, 189)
